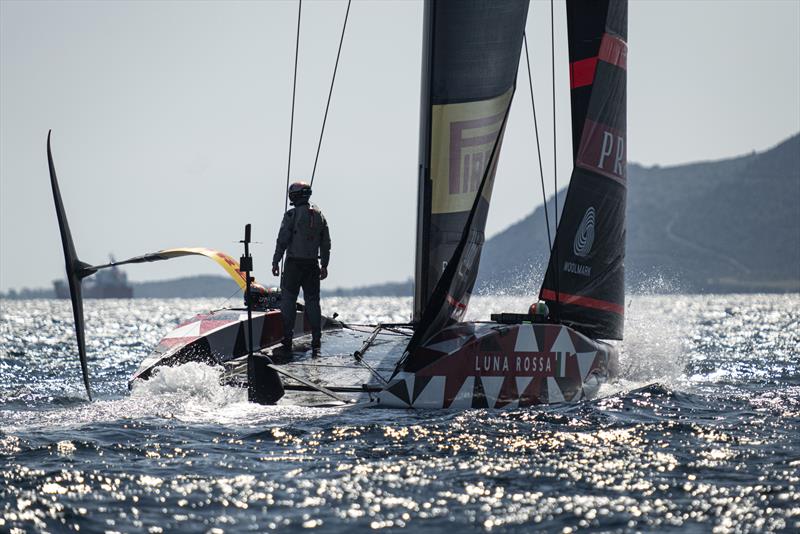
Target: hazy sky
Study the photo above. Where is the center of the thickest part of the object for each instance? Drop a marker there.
(171, 119)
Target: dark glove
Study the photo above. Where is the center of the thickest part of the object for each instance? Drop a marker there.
(323, 273)
(276, 271)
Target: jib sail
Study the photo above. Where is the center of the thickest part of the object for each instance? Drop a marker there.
(585, 283)
(470, 57)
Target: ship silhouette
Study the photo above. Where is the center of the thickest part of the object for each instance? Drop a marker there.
(107, 284)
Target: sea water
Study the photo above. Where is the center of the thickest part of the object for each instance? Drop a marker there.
(701, 433)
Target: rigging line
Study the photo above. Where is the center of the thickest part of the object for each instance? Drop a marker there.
(330, 92)
(294, 93)
(291, 122)
(538, 148)
(374, 372)
(555, 155)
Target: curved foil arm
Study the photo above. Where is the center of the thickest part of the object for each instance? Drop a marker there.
(230, 265)
(77, 270)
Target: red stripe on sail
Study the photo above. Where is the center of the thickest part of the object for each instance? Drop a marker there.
(457, 304)
(586, 302)
(614, 50)
(581, 72)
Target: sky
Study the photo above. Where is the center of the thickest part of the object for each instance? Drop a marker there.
(171, 121)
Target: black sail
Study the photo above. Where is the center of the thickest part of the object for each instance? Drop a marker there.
(585, 280)
(470, 57)
(471, 52)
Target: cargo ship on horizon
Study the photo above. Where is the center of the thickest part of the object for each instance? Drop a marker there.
(107, 284)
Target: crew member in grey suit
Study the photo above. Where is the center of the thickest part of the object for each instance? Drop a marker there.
(305, 239)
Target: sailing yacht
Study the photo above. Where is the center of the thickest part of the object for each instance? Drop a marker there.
(561, 353)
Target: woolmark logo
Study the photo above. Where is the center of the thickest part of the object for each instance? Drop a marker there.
(584, 237)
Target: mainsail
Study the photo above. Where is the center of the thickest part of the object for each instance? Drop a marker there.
(585, 280)
(470, 57)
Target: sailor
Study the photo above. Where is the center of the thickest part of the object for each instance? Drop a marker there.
(305, 239)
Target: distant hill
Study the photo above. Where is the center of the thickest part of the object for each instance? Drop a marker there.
(221, 286)
(388, 289)
(213, 286)
(187, 287)
(722, 226)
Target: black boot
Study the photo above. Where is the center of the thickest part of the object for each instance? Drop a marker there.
(284, 352)
(316, 348)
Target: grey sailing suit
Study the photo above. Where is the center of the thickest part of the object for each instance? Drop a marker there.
(304, 236)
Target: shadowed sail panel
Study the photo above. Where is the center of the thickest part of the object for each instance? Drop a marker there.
(471, 52)
(585, 280)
